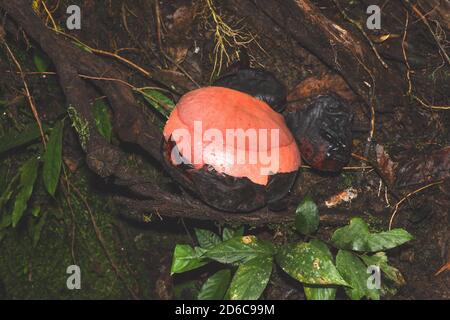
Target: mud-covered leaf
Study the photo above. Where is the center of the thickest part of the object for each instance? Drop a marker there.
(53, 159)
(215, 286)
(28, 175)
(251, 279)
(240, 249)
(207, 239)
(229, 233)
(158, 100)
(357, 237)
(307, 217)
(186, 258)
(309, 264)
(317, 292)
(380, 259)
(103, 119)
(354, 271)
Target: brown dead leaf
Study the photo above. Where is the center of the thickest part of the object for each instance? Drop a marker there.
(182, 19)
(313, 86)
(444, 268)
(344, 196)
(386, 165)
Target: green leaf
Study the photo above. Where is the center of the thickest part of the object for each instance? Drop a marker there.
(380, 259)
(53, 159)
(40, 63)
(307, 217)
(251, 279)
(28, 175)
(37, 230)
(309, 264)
(357, 237)
(207, 239)
(186, 258)
(215, 286)
(354, 271)
(240, 249)
(319, 292)
(159, 101)
(8, 191)
(103, 119)
(316, 292)
(14, 139)
(229, 233)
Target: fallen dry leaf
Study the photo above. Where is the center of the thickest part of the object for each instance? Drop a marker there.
(386, 165)
(313, 86)
(444, 268)
(345, 196)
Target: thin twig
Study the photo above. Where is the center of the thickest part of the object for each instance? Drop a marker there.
(410, 92)
(27, 93)
(394, 213)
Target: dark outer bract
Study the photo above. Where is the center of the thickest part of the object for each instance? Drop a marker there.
(227, 193)
(258, 83)
(322, 129)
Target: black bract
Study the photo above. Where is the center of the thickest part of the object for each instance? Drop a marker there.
(258, 83)
(322, 129)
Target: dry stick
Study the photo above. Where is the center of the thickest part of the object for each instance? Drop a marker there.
(55, 27)
(108, 54)
(407, 197)
(27, 93)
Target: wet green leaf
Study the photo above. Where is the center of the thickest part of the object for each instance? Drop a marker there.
(53, 159)
(207, 239)
(229, 233)
(186, 258)
(158, 100)
(354, 271)
(357, 237)
(240, 249)
(309, 264)
(307, 217)
(215, 286)
(319, 292)
(251, 279)
(28, 175)
(316, 292)
(380, 259)
(103, 119)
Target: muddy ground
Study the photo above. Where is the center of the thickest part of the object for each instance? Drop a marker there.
(125, 259)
